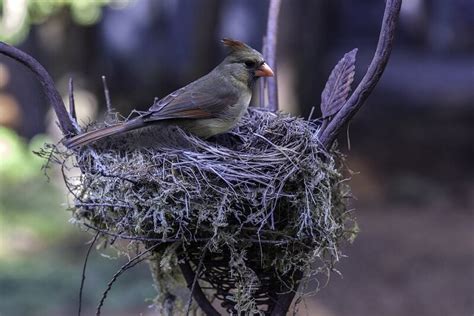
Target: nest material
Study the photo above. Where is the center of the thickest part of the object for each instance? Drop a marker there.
(255, 207)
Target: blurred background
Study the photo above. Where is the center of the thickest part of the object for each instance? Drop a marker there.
(411, 145)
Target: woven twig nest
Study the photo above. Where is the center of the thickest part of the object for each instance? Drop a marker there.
(260, 205)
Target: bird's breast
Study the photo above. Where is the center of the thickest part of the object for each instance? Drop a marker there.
(235, 111)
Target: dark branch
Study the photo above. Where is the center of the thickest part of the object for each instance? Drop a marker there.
(195, 288)
(283, 303)
(72, 104)
(195, 281)
(52, 94)
(368, 83)
(270, 52)
(283, 300)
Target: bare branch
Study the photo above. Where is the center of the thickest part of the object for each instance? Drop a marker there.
(72, 105)
(270, 52)
(107, 95)
(65, 121)
(368, 83)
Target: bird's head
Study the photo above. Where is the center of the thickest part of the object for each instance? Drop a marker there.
(244, 63)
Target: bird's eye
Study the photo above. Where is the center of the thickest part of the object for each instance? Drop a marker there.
(249, 63)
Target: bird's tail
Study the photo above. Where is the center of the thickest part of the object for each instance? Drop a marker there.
(92, 136)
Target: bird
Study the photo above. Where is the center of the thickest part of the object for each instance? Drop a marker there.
(208, 106)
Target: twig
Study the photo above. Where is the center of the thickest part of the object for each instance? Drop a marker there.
(196, 276)
(84, 272)
(130, 264)
(72, 105)
(65, 120)
(107, 95)
(138, 238)
(368, 83)
(80, 204)
(311, 113)
(270, 52)
(170, 240)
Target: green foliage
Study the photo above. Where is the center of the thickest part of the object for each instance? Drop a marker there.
(17, 160)
(26, 202)
(21, 14)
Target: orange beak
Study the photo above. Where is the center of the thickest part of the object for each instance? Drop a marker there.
(264, 71)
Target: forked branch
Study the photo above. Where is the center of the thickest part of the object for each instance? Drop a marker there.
(368, 83)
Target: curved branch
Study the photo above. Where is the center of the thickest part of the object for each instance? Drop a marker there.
(368, 83)
(65, 121)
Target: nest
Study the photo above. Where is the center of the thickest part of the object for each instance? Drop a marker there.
(252, 211)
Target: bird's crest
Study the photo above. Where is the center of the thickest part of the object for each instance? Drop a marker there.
(234, 44)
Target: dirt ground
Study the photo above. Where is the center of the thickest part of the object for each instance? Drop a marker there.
(405, 261)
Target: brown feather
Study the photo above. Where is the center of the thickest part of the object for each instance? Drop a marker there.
(92, 136)
(234, 44)
(194, 113)
(198, 100)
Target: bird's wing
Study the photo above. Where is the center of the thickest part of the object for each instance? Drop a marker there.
(191, 102)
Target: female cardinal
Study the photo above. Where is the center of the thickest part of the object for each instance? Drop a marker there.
(211, 105)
